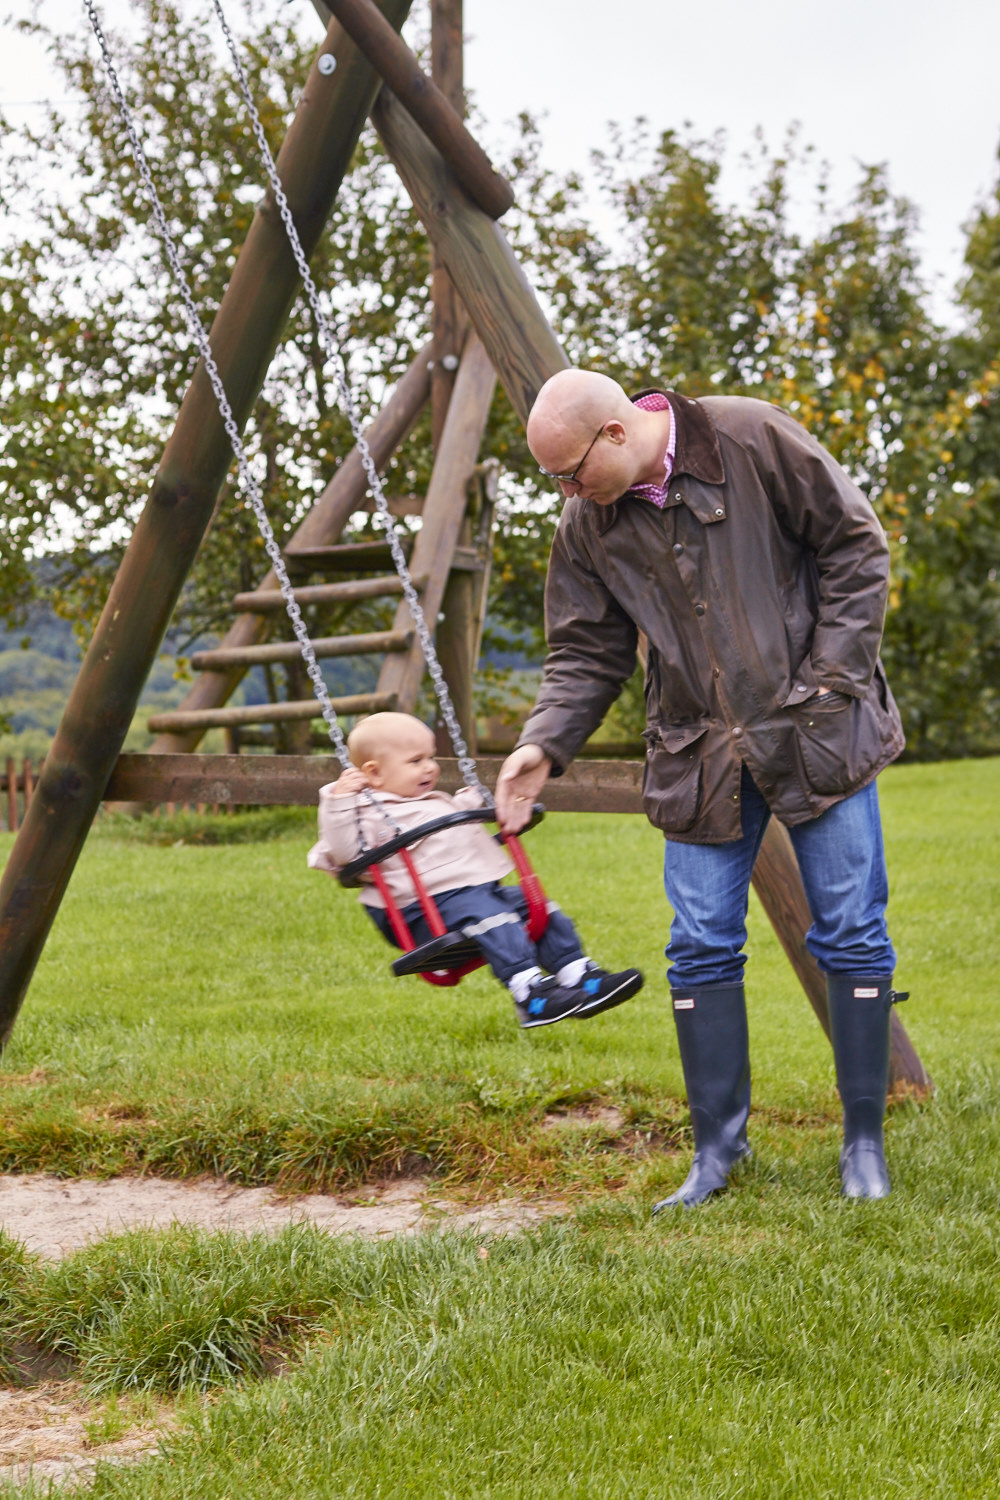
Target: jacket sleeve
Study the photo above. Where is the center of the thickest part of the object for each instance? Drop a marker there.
(817, 503)
(338, 833)
(591, 650)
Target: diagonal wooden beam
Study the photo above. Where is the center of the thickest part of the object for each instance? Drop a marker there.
(312, 162)
(426, 103)
(326, 520)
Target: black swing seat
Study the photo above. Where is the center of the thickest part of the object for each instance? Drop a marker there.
(453, 950)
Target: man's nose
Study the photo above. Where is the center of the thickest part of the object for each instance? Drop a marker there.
(569, 487)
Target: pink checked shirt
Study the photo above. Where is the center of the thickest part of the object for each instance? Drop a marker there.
(657, 493)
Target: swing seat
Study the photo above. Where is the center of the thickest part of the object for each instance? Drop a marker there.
(447, 956)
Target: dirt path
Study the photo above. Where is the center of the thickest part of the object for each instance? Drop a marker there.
(54, 1217)
(52, 1431)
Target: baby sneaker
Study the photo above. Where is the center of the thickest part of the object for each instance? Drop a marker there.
(598, 990)
(546, 1001)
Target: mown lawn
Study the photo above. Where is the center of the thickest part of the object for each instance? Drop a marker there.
(221, 1009)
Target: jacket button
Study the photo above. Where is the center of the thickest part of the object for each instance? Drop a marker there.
(699, 609)
(678, 496)
(720, 511)
(678, 548)
(737, 733)
(716, 672)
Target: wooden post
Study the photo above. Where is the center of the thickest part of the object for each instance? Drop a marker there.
(453, 468)
(265, 281)
(11, 795)
(425, 102)
(777, 881)
(496, 293)
(455, 636)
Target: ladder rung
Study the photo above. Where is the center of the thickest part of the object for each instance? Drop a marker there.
(182, 720)
(278, 651)
(264, 601)
(346, 557)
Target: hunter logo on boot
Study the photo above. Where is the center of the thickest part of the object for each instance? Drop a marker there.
(866, 994)
(686, 1004)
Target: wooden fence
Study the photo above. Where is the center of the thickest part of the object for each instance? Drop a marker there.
(16, 788)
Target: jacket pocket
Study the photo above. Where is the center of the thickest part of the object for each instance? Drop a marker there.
(839, 741)
(671, 778)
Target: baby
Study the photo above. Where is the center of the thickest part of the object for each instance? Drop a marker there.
(461, 868)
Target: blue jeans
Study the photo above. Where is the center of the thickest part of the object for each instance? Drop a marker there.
(842, 860)
(495, 915)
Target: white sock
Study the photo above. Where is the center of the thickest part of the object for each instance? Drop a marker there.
(521, 983)
(573, 972)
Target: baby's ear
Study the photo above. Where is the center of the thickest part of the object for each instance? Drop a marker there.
(371, 770)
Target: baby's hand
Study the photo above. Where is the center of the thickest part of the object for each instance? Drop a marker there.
(351, 781)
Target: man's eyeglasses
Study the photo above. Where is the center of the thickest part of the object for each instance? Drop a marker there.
(572, 478)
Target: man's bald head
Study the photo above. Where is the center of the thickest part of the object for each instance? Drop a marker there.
(583, 423)
(573, 405)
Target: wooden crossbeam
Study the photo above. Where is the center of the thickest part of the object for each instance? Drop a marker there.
(344, 557)
(292, 712)
(265, 601)
(372, 644)
(436, 116)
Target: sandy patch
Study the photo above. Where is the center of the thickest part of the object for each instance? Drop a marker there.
(54, 1217)
(53, 1433)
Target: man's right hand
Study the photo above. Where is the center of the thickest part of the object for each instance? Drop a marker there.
(522, 776)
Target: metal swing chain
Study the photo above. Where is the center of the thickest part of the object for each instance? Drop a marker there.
(335, 359)
(250, 484)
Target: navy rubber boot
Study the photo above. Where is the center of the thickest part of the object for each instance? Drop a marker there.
(860, 1007)
(715, 1055)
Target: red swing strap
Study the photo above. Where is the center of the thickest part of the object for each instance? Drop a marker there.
(538, 906)
(537, 903)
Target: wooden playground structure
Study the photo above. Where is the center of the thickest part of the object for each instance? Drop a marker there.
(486, 326)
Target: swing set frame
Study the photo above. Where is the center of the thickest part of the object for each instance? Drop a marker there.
(477, 281)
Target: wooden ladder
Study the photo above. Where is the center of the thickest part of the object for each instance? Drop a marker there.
(455, 536)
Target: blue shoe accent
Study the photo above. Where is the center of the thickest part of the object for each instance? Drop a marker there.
(536, 1004)
(591, 986)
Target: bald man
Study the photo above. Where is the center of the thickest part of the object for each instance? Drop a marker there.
(732, 541)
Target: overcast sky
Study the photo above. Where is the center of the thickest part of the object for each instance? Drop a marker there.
(905, 82)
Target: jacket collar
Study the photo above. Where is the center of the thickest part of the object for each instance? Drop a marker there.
(697, 450)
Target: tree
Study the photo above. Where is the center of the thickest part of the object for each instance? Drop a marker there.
(681, 290)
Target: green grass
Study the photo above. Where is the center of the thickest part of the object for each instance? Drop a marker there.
(781, 1342)
(222, 1009)
(219, 1008)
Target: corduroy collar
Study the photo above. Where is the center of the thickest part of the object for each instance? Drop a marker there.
(697, 453)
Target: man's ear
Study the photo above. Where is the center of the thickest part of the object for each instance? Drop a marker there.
(615, 432)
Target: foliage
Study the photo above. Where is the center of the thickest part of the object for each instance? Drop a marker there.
(678, 288)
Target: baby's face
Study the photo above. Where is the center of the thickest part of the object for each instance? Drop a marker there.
(407, 768)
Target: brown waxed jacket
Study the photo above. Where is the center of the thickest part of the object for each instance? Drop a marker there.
(764, 578)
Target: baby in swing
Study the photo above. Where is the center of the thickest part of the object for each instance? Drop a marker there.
(461, 868)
